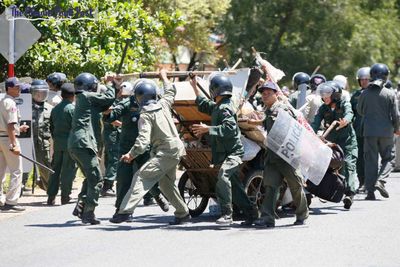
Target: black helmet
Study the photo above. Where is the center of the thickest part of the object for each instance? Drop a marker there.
(330, 89)
(39, 91)
(300, 78)
(145, 92)
(316, 80)
(56, 79)
(85, 82)
(220, 85)
(379, 71)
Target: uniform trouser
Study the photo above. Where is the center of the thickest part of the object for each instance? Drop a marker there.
(360, 160)
(64, 172)
(230, 189)
(42, 155)
(349, 171)
(274, 173)
(14, 164)
(372, 146)
(157, 169)
(397, 153)
(125, 174)
(111, 159)
(89, 164)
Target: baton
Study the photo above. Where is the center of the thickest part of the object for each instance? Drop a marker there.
(330, 128)
(35, 162)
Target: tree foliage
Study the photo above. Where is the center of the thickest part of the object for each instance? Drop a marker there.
(340, 36)
(91, 45)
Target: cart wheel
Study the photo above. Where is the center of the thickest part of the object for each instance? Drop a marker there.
(195, 202)
(255, 187)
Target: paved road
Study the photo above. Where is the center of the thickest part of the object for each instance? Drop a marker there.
(368, 235)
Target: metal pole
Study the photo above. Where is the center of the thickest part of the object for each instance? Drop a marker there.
(11, 30)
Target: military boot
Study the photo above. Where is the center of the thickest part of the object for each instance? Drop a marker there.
(65, 200)
(120, 218)
(78, 210)
(89, 218)
(51, 200)
(162, 202)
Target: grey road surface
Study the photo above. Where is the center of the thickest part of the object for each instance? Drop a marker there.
(367, 235)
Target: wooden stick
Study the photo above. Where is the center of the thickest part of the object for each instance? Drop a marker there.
(330, 128)
(170, 74)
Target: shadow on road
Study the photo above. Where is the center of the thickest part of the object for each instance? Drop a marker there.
(72, 223)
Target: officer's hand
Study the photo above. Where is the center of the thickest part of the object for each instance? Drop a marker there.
(108, 111)
(116, 123)
(397, 133)
(163, 74)
(15, 150)
(127, 158)
(23, 128)
(200, 129)
(342, 123)
(193, 81)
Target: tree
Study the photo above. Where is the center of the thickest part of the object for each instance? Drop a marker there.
(90, 45)
(340, 36)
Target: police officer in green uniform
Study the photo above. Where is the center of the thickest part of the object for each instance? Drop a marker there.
(63, 165)
(82, 142)
(156, 128)
(227, 149)
(111, 137)
(336, 108)
(126, 112)
(41, 111)
(276, 169)
(301, 83)
(363, 80)
(378, 106)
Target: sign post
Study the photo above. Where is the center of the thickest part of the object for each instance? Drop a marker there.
(16, 36)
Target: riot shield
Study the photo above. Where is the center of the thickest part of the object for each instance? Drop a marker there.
(302, 149)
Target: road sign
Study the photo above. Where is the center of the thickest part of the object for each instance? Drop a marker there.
(25, 35)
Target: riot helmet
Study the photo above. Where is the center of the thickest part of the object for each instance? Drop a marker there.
(220, 85)
(316, 80)
(126, 89)
(300, 78)
(379, 71)
(56, 79)
(330, 89)
(341, 80)
(85, 82)
(145, 92)
(363, 73)
(39, 91)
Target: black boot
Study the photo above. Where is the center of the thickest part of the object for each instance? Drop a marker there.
(51, 200)
(78, 210)
(162, 202)
(120, 218)
(89, 218)
(65, 200)
(348, 201)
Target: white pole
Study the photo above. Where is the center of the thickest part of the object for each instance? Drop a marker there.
(11, 35)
